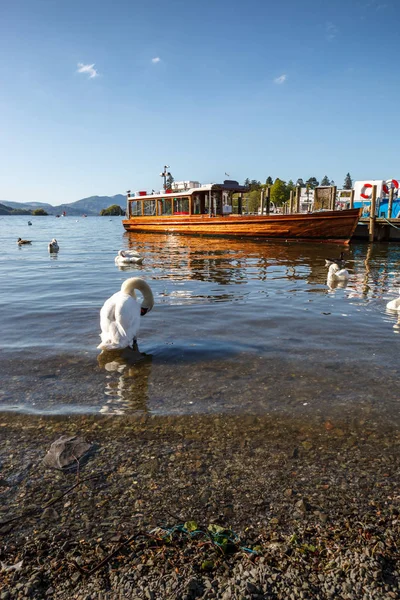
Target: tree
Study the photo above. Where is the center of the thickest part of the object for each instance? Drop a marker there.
(290, 186)
(39, 212)
(255, 185)
(269, 181)
(325, 180)
(312, 183)
(112, 211)
(247, 182)
(279, 192)
(300, 183)
(348, 182)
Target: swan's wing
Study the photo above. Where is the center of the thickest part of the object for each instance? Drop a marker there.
(127, 317)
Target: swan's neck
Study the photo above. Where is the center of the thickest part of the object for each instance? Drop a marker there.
(136, 283)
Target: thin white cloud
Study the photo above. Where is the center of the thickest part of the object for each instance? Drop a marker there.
(331, 31)
(89, 69)
(281, 79)
(156, 60)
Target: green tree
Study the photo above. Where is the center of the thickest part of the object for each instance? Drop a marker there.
(348, 182)
(255, 185)
(279, 192)
(247, 182)
(40, 212)
(269, 181)
(312, 183)
(290, 186)
(112, 211)
(300, 183)
(325, 180)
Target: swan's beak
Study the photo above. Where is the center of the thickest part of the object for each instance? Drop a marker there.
(143, 311)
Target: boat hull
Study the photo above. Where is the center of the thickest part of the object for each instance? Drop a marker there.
(335, 226)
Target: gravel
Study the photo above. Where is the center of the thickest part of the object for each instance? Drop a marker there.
(311, 510)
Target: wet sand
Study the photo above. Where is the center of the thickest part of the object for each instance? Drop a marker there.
(315, 502)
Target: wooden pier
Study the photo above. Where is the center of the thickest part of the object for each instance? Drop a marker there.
(371, 228)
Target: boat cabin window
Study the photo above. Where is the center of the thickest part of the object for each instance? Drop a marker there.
(136, 208)
(165, 206)
(181, 206)
(196, 205)
(149, 207)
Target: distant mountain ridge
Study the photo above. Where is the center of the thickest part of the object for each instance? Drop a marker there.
(89, 206)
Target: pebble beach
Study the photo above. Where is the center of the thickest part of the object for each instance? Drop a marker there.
(201, 507)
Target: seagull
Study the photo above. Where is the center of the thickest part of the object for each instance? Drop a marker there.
(120, 315)
(123, 258)
(53, 246)
(20, 242)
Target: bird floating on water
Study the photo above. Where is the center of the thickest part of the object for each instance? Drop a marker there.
(394, 304)
(335, 261)
(120, 315)
(123, 258)
(53, 246)
(335, 273)
(21, 242)
(29, 222)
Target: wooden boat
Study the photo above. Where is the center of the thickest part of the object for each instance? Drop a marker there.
(208, 210)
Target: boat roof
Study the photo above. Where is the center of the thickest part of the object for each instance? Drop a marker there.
(229, 186)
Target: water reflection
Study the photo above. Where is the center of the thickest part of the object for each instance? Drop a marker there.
(126, 387)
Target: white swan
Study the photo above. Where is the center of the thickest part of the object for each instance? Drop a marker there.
(123, 259)
(53, 246)
(120, 315)
(394, 304)
(335, 272)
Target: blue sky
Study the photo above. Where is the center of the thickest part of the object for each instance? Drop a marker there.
(294, 88)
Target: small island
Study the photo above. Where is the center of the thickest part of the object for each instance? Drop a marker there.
(112, 211)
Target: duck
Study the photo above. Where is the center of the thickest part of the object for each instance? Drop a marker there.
(21, 242)
(120, 315)
(124, 259)
(394, 304)
(29, 222)
(53, 246)
(335, 273)
(335, 261)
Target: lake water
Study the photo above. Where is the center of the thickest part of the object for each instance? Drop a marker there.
(237, 326)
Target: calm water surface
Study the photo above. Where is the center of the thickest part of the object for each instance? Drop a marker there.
(238, 326)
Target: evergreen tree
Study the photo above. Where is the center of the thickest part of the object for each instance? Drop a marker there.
(247, 182)
(269, 181)
(325, 180)
(312, 182)
(300, 183)
(348, 182)
(255, 185)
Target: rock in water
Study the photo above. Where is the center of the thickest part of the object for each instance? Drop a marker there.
(66, 451)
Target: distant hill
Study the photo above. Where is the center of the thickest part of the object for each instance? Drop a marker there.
(89, 206)
(7, 210)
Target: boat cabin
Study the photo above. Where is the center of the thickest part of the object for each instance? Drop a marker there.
(214, 199)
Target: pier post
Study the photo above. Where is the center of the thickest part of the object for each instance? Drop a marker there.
(240, 204)
(390, 203)
(372, 215)
(333, 197)
(298, 192)
(267, 200)
(262, 193)
(352, 199)
(291, 201)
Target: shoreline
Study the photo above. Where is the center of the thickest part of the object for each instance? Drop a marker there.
(316, 502)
